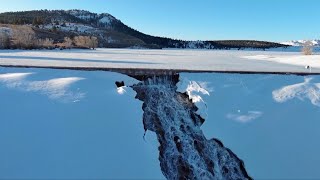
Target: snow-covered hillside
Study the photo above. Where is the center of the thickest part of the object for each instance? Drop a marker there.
(82, 14)
(72, 27)
(301, 42)
(67, 124)
(103, 18)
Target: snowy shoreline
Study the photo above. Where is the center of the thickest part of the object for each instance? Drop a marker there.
(156, 72)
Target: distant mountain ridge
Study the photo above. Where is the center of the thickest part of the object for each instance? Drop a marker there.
(110, 31)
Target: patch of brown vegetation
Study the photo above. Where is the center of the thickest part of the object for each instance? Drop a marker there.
(27, 37)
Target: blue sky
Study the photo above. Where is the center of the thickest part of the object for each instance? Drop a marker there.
(274, 20)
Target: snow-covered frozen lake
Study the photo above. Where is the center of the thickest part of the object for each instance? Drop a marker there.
(77, 124)
(279, 60)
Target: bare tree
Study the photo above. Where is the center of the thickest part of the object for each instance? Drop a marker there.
(93, 42)
(45, 43)
(67, 42)
(24, 37)
(80, 41)
(90, 42)
(307, 48)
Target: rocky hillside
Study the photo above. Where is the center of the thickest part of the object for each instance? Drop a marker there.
(111, 32)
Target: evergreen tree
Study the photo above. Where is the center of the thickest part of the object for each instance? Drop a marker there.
(54, 29)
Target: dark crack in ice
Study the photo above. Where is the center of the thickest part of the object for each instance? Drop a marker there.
(184, 151)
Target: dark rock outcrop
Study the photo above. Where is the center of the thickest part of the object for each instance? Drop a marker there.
(184, 151)
(119, 83)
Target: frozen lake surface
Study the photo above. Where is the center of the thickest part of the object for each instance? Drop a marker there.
(279, 60)
(77, 124)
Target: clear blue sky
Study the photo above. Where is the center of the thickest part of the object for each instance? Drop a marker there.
(275, 20)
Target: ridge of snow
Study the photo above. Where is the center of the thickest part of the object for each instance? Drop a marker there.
(13, 80)
(56, 88)
(301, 91)
(13, 76)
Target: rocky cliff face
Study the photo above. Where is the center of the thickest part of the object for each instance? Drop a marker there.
(184, 151)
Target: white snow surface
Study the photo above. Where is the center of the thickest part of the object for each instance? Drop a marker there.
(198, 60)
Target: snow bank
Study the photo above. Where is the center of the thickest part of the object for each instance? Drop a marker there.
(13, 80)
